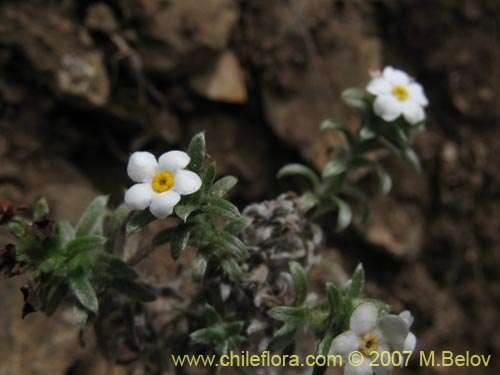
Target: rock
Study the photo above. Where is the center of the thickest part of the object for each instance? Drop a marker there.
(396, 226)
(84, 76)
(100, 17)
(225, 82)
(183, 24)
(54, 47)
(302, 83)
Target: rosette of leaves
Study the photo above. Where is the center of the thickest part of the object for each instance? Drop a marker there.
(200, 215)
(329, 190)
(73, 262)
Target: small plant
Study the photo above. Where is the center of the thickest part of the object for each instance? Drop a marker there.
(249, 272)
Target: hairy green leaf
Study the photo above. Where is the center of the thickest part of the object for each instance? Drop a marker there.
(196, 152)
(282, 338)
(334, 168)
(86, 243)
(237, 225)
(223, 185)
(91, 216)
(334, 125)
(139, 220)
(356, 98)
(84, 292)
(344, 216)
(299, 282)
(299, 169)
(41, 209)
(357, 282)
(221, 207)
(179, 241)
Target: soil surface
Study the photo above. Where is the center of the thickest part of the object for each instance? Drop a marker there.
(85, 83)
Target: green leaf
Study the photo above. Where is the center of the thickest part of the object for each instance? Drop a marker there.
(385, 181)
(288, 314)
(91, 216)
(357, 282)
(282, 338)
(299, 169)
(299, 282)
(84, 292)
(199, 267)
(221, 207)
(356, 98)
(133, 290)
(232, 270)
(233, 328)
(367, 133)
(196, 152)
(86, 243)
(139, 220)
(412, 157)
(208, 177)
(334, 168)
(54, 294)
(211, 315)
(116, 267)
(179, 241)
(66, 232)
(113, 223)
(307, 201)
(232, 243)
(357, 194)
(334, 125)
(41, 209)
(183, 211)
(237, 225)
(344, 216)
(323, 350)
(223, 185)
(208, 335)
(334, 298)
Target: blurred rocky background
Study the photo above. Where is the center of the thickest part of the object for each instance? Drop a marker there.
(85, 83)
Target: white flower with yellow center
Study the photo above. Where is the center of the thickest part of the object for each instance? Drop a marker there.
(368, 334)
(397, 94)
(161, 183)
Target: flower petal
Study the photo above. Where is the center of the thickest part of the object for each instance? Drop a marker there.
(394, 330)
(364, 318)
(387, 107)
(363, 369)
(344, 344)
(410, 342)
(380, 369)
(163, 204)
(413, 112)
(139, 196)
(186, 182)
(396, 76)
(141, 166)
(417, 93)
(407, 317)
(173, 160)
(379, 86)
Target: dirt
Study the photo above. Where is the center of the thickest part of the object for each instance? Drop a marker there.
(85, 83)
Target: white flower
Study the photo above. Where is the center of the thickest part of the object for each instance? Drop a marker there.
(411, 340)
(397, 94)
(368, 333)
(161, 183)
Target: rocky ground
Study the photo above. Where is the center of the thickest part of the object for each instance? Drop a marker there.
(84, 83)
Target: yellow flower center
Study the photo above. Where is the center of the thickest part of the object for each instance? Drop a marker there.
(400, 92)
(162, 181)
(369, 344)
